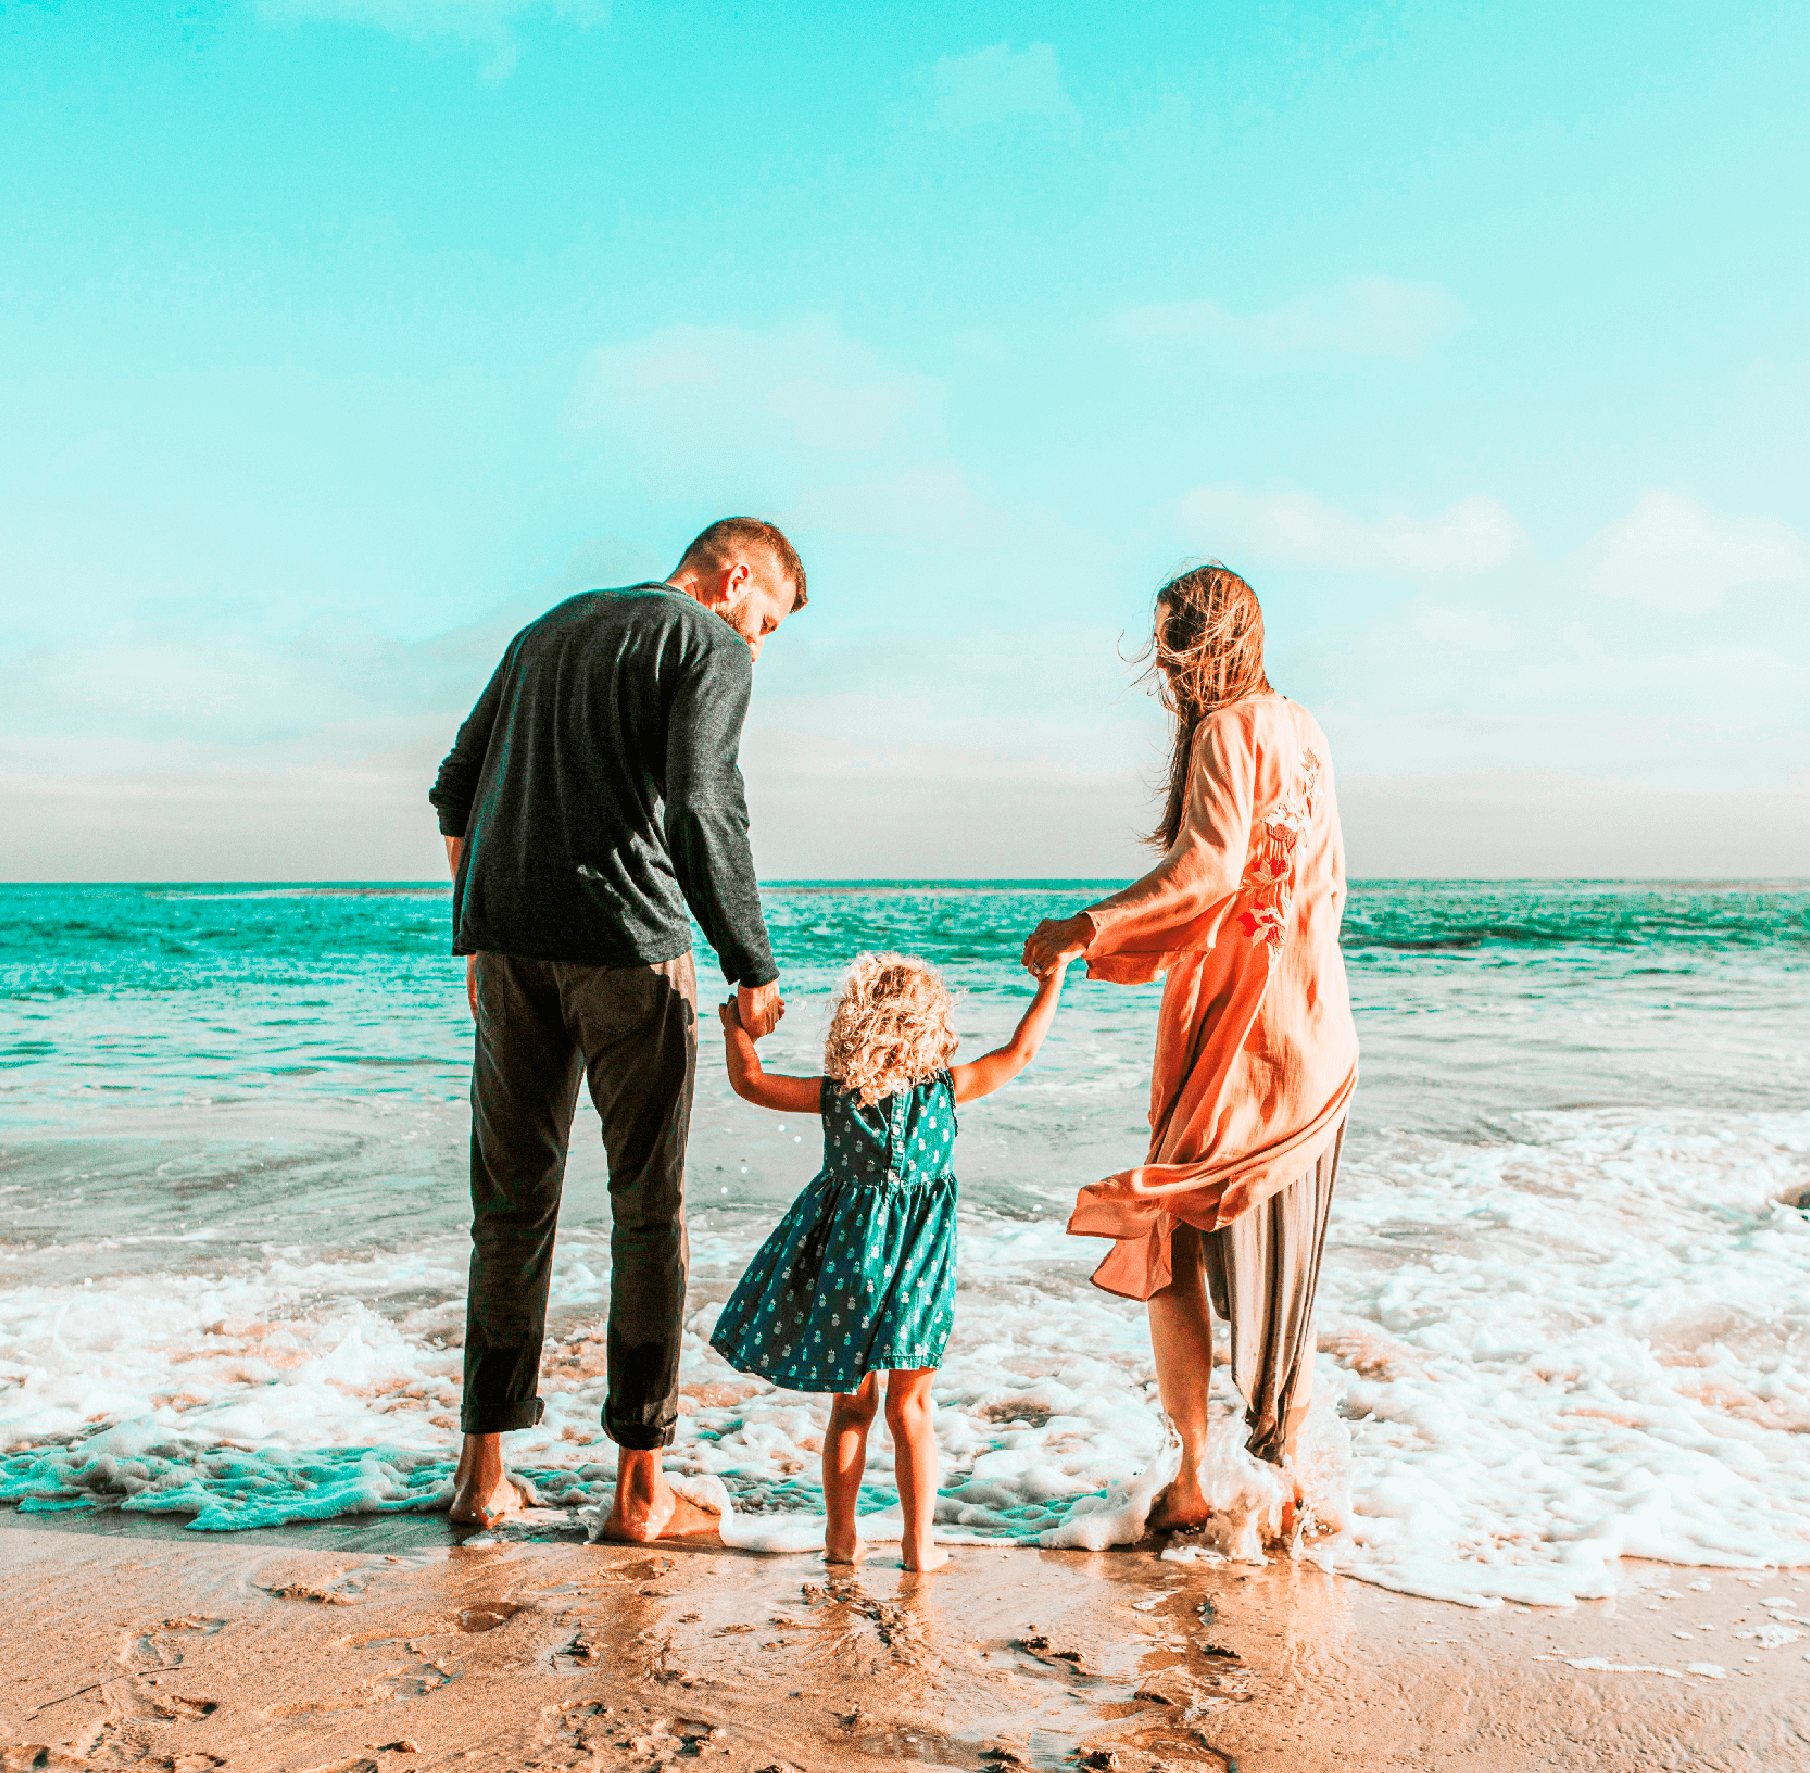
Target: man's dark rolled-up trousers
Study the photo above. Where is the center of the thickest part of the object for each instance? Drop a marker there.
(632, 1032)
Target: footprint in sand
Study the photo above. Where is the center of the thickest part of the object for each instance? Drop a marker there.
(594, 1729)
(306, 1591)
(378, 1689)
(149, 1649)
(488, 1615)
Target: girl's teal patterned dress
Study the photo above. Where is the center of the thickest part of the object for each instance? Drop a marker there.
(859, 1276)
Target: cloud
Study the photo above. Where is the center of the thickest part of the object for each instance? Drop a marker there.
(481, 24)
(1670, 553)
(1526, 822)
(159, 686)
(144, 754)
(148, 753)
(720, 395)
(998, 83)
(1367, 317)
(1296, 529)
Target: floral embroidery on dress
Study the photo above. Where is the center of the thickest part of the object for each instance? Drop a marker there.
(1269, 875)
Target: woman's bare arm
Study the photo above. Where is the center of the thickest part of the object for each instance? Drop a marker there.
(765, 1089)
(984, 1075)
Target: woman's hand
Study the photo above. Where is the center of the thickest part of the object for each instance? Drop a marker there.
(1057, 940)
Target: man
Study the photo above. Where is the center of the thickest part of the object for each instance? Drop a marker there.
(592, 796)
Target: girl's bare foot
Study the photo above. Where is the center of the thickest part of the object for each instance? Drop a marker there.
(924, 1557)
(843, 1548)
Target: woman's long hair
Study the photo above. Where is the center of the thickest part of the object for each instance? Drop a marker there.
(1206, 651)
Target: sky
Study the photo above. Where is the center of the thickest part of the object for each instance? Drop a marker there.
(341, 337)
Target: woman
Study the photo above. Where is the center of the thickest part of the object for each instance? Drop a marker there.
(1256, 1051)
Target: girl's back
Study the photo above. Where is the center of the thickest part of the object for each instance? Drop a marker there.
(906, 1137)
(859, 1276)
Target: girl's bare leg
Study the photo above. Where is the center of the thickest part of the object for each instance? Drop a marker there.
(1181, 1333)
(914, 1462)
(844, 1460)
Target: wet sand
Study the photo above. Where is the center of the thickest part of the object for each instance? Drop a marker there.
(380, 1646)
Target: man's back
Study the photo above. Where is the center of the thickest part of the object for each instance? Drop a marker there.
(596, 788)
(591, 798)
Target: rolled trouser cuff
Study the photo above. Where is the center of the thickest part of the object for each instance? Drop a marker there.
(501, 1418)
(639, 1437)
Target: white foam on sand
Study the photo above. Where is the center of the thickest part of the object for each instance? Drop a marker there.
(1537, 1356)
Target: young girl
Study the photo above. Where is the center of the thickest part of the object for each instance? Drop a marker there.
(859, 1277)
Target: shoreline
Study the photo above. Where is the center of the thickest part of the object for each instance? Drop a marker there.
(383, 1643)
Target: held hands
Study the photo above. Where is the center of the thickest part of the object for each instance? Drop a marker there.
(1055, 942)
(758, 1009)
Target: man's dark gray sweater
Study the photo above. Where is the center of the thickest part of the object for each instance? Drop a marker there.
(597, 790)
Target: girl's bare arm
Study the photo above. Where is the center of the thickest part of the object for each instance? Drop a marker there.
(765, 1089)
(985, 1074)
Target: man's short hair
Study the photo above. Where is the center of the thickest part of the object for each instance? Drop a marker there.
(729, 537)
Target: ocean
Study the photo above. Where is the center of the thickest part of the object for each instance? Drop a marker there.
(1565, 1303)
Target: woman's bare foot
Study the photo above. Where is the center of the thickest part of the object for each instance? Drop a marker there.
(923, 1557)
(1297, 1518)
(483, 1492)
(1180, 1507)
(843, 1548)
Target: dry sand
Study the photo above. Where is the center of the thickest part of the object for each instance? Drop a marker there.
(385, 1646)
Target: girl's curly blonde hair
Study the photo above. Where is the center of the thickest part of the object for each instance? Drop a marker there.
(893, 1026)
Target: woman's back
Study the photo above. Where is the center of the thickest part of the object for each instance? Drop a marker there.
(1256, 1053)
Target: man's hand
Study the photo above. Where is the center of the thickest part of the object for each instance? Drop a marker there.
(455, 851)
(759, 1008)
(1057, 940)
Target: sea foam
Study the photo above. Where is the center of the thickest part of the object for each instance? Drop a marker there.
(1564, 1310)
(1536, 1358)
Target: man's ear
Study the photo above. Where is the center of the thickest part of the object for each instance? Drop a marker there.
(723, 588)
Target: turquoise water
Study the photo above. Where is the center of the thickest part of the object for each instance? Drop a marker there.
(123, 1001)
(232, 1178)
(260, 1060)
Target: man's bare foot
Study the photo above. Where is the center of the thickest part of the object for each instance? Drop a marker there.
(647, 1507)
(645, 1503)
(483, 1492)
(1178, 1508)
(927, 1557)
(843, 1548)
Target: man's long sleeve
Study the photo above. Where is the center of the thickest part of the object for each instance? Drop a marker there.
(707, 813)
(456, 787)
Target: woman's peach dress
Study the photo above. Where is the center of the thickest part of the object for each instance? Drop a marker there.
(1256, 1051)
